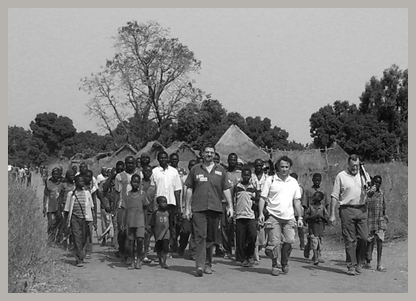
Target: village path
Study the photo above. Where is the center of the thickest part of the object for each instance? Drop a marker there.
(104, 273)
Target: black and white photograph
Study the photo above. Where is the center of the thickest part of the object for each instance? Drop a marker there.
(207, 150)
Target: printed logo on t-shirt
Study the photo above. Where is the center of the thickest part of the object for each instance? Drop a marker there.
(217, 172)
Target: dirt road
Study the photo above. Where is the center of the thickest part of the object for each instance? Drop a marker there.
(104, 273)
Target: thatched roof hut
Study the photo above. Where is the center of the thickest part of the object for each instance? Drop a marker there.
(236, 141)
(185, 152)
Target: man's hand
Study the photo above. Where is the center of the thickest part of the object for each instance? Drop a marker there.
(230, 212)
(261, 218)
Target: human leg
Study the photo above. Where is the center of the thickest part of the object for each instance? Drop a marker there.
(241, 239)
(184, 235)
(213, 219)
(78, 227)
(199, 223)
(273, 232)
(349, 236)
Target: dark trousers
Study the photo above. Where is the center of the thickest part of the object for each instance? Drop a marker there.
(79, 234)
(205, 225)
(121, 235)
(88, 243)
(185, 233)
(172, 227)
(227, 231)
(53, 223)
(246, 235)
(355, 232)
(301, 234)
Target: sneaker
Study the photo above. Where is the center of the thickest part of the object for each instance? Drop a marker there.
(79, 264)
(276, 271)
(285, 268)
(199, 272)
(367, 266)
(358, 269)
(147, 260)
(245, 264)
(320, 260)
(207, 270)
(316, 262)
(351, 272)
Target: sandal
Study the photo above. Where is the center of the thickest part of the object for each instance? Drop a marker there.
(381, 269)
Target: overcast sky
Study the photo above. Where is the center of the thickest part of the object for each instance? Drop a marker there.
(284, 64)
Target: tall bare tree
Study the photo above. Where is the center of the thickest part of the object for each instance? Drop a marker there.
(148, 78)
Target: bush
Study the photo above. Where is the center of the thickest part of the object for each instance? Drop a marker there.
(29, 257)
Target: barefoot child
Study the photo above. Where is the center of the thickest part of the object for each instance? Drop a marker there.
(377, 223)
(316, 216)
(135, 204)
(160, 226)
(78, 209)
(148, 187)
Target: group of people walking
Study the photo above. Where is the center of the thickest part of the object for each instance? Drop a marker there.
(213, 209)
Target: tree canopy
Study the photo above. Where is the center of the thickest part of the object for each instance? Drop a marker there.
(377, 129)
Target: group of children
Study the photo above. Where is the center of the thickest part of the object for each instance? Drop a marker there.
(75, 195)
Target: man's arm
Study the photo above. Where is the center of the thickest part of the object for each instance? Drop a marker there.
(188, 202)
(298, 208)
(228, 198)
(262, 201)
(177, 194)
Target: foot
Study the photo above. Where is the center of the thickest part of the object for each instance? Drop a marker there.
(358, 269)
(320, 260)
(164, 265)
(199, 272)
(245, 264)
(381, 269)
(138, 264)
(285, 268)
(227, 256)
(351, 272)
(251, 262)
(146, 260)
(192, 257)
(208, 270)
(276, 271)
(131, 266)
(79, 264)
(367, 266)
(118, 254)
(129, 261)
(87, 256)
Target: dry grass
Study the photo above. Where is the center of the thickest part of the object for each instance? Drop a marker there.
(32, 265)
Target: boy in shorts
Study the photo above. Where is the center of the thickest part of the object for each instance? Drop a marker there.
(160, 226)
(377, 223)
(135, 204)
(316, 216)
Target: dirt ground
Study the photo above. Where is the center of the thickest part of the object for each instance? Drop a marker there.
(104, 273)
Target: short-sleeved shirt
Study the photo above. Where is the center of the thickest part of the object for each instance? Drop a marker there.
(348, 189)
(316, 227)
(207, 187)
(67, 187)
(160, 224)
(122, 186)
(279, 195)
(149, 188)
(167, 181)
(376, 207)
(243, 196)
(100, 181)
(53, 190)
(134, 204)
(308, 196)
(258, 183)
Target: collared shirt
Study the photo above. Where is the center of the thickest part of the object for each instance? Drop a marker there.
(348, 189)
(279, 195)
(258, 183)
(208, 187)
(167, 181)
(243, 198)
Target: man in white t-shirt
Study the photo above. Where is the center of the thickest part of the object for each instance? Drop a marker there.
(282, 195)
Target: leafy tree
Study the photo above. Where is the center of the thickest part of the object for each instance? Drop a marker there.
(87, 142)
(52, 130)
(148, 78)
(18, 145)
